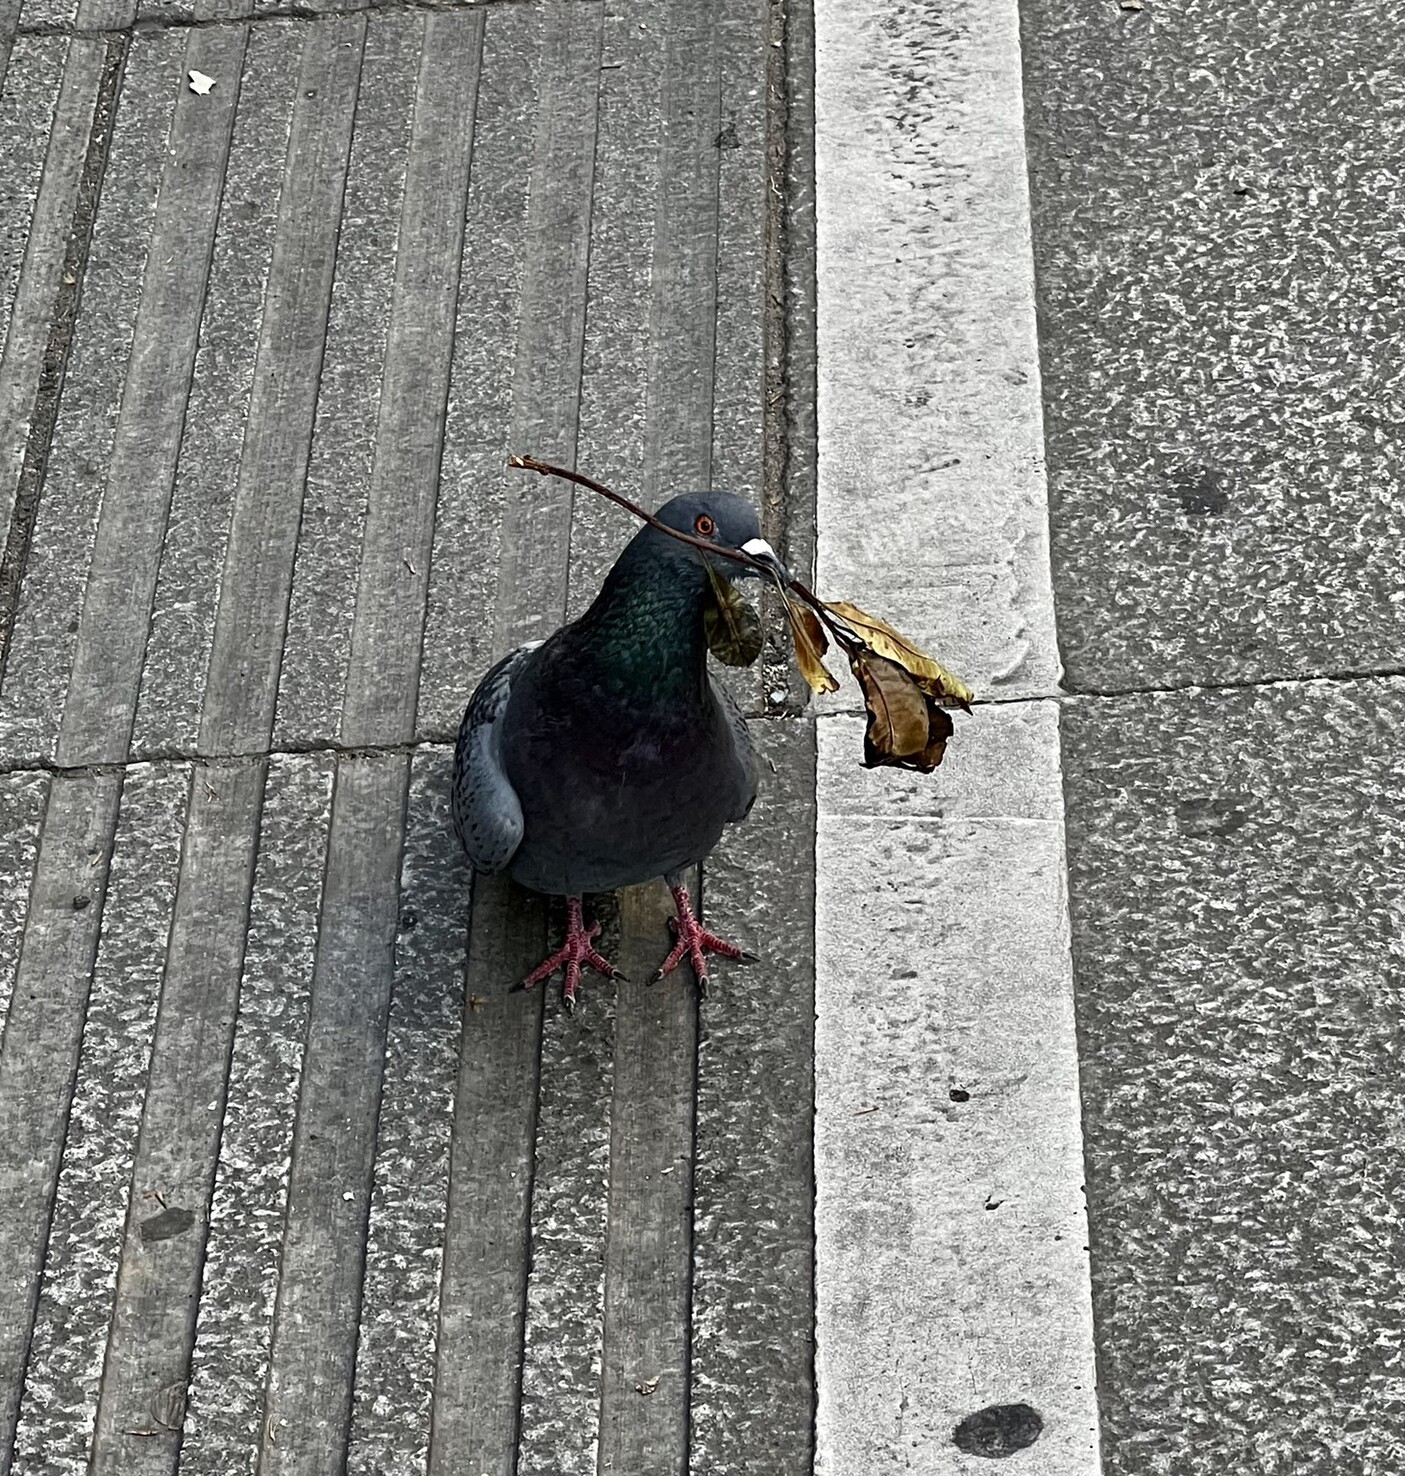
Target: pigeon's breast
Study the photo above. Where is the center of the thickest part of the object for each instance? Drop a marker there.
(610, 799)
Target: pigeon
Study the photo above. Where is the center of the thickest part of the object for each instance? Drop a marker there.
(606, 755)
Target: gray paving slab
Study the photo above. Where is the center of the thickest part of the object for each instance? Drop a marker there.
(478, 1378)
(47, 13)
(40, 326)
(49, 611)
(163, 1252)
(572, 1171)
(563, 1290)
(317, 645)
(43, 1027)
(473, 489)
(1220, 306)
(1218, 310)
(752, 1355)
(400, 1315)
(247, 648)
(683, 328)
(951, 1272)
(549, 1329)
(196, 543)
(87, 1193)
(615, 350)
(317, 1310)
(110, 648)
(382, 685)
(1236, 892)
(643, 1376)
(533, 560)
(98, 15)
(23, 797)
(740, 145)
(9, 21)
(29, 128)
(227, 1419)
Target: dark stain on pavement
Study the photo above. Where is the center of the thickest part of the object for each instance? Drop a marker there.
(998, 1430)
(1202, 491)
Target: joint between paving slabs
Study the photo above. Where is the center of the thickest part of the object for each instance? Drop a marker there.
(150, 24)
(156, 757)
(425, 742)
(1116, 694)
(1343, 677)
(430, 741)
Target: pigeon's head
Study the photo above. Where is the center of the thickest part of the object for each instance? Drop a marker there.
(729, 522)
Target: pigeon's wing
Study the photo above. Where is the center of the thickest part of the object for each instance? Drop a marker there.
(745, 751)
(487, 812)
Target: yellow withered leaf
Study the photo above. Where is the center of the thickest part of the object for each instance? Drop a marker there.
(810, 643)
(732, 627)
(931, 676)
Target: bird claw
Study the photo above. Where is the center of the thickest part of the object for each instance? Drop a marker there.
(694, 941)
(574, 952)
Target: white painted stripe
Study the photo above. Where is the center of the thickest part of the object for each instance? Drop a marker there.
(951, 1235)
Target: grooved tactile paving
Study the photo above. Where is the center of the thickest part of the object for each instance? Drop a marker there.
(292, 1183)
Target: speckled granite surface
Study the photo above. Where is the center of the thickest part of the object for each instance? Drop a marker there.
(1238, 897)
(1218, 209)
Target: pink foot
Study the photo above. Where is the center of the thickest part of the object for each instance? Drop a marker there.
(574, 952)
(693, 939)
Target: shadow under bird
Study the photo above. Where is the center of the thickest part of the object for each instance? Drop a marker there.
(606, 755)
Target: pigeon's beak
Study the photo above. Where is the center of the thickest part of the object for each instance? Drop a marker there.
(762, 552)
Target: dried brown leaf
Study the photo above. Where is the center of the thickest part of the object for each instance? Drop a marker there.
(808, 637)
(168, 1406)
(897, 710)
(931, 676)
(732, 626)
(939, 729)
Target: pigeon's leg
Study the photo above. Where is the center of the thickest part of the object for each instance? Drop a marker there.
(574, 952)
(693, 939)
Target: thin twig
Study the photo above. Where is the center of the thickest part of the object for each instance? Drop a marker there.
(530, 463)
(855, 648)
(845, 637)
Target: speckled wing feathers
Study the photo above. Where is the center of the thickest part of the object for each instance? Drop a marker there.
(487, 812)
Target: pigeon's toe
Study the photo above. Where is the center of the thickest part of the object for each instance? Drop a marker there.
(695, 942)
(574, 952)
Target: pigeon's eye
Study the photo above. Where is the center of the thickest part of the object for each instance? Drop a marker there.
(704, 525)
